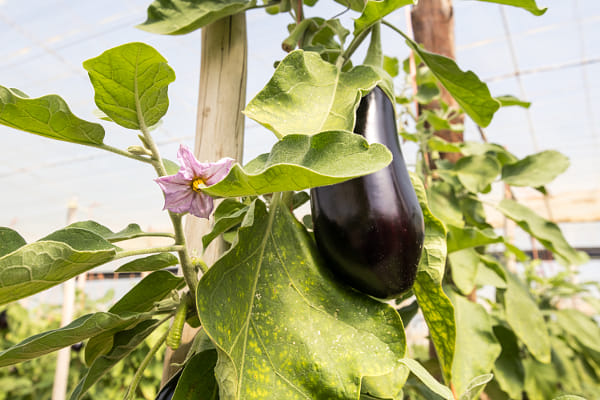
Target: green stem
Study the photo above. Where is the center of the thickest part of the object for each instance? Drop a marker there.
(151, 250)
(120, 152)
(384, 22)
(356, 41)
(145, 234)
(140, 371)
(374, 53)
(296, 35)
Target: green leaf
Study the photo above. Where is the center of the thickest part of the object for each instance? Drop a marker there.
(305, 85)
(582, 327)
(528, 5)
(80, 329)
(476, 386)
(492, 149)
(526, 319)
(508, 100)
(427, 92)
(300, 162)
(476, 345)
(546, 232)
(436, 143)
(467, 89)
(540, 380)
(131, 83)
(444, 204)
(356, 5)
(47, 116)
(508, 369)
(269, 300)
(433, 258)
(154, 262)
(124, 343)
(228, 214)
(140, 299)
(177, 17)
(464, 238)
(464, 264)
(476, 172)
(131, 231)
(535, 170)
(62, 255)
(198, 378)
(490, 273)
(569, 397)
(385, 386)
(438, 312)
(420, 372)
(375, 10)
(10, 241)
(391, 66)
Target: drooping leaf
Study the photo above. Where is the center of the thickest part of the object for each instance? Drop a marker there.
(546, 232)
(304, 84)
(300, 162)
(420, 372)
(391, 66)
(463, 238)
(124, 343)
(476, 172)
(540, 380)
(467, 89)
(436, 143)
(131, 231)
(130, 84)
(444, 204)
(490, 272)
(476, 386)
(387, 386)
(582, 327)
(439, 316)
(228, 214)
(177, 17)
(465, 265)
(535, 170)
(154, 262)
(375, 10)
(10, 241)
(139, 299)
(40, 265)
(508, 100)
(526, 319)
(80, 329)
(197, 382)
(492, 149)
(508, 369)
(476, 345)
(268, 301)
(528, 5)
(433, 258)
(47, 116)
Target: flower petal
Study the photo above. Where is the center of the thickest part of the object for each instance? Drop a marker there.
(215, 172)
(190, 167)
(201, 206)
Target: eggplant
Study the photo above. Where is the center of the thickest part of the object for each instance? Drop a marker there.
(167, 391)
(370, 230)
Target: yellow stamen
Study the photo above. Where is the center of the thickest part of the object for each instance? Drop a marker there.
(197, 184)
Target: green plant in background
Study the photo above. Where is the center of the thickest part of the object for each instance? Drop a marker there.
(275, 323)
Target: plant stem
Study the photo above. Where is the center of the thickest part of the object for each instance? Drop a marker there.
(374, 55)
(145, 234)
(356, 41)
(384, 22)
(151, 250)
(120, 152)
(138, 374)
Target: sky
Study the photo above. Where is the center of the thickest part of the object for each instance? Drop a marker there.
(44, 43)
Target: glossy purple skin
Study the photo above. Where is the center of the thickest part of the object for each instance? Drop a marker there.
(370, 230)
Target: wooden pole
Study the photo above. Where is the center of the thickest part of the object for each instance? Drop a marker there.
(433, 27)
(63, 359)
(219, 131)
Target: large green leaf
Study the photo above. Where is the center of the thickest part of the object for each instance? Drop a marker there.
(508, 369)
(582, 327)
(541, 380)
(124, 343)
(229, 214)
(140, 299)
(535, 170)
(439, 316)
(80, 329)
(464, 264)
(467, 89)
(546, 232)
(476, 173)
(420, 372)
(300, 162)
(131, 83)
(47, 116)
(176, 17)
(131, 231)
(284, 328)
(444, 204)
(197, 382)
(305, 85)
(528, 5)
(58, 257)
(433, 258)
(10, 241)
(476, 345)
(463, 238)
(375, 10)
(526, 319)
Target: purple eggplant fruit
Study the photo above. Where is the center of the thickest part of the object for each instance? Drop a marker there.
(370, 229)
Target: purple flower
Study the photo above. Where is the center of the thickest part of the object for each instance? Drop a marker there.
(182, 190)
